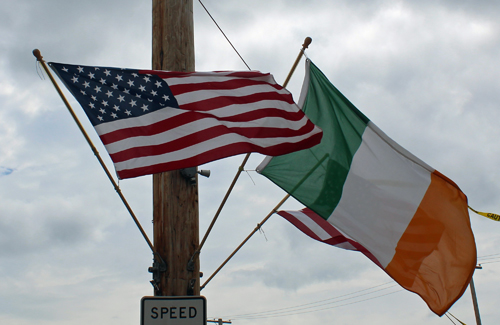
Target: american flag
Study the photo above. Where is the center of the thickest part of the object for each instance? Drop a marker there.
(155, 121)
(318, 228)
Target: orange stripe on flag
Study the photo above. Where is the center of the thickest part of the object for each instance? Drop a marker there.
(436, 255)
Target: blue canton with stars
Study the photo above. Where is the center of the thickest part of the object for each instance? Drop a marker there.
(110, 94)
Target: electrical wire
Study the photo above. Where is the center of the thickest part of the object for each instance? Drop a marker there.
(498, 254)
(489, 259)
(224, 34)
(315, 306)
(490, 262)
(292, 313)
(321, 301)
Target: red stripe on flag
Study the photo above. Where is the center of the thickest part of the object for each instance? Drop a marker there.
(178, 74)
(205, 157)
(225, 85)
(336, 236)
(204, 135)
(188, 117)
(223, 101)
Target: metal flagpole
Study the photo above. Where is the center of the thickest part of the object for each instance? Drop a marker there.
(474, 298)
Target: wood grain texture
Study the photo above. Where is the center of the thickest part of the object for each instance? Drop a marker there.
(175, 200)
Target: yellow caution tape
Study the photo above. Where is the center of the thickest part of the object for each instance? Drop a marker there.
(491, 216)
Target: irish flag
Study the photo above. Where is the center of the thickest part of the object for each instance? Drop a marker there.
(410, 217)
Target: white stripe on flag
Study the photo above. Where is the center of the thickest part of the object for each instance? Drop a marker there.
(310, 224)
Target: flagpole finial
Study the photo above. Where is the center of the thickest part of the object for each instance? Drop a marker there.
(307, 42)
(37, 54)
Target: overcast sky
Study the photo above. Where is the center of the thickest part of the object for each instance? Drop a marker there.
(426, 72)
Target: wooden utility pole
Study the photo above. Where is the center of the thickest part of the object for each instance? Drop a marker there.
(175, 198)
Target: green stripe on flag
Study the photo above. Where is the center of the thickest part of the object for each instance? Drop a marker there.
(343, 126)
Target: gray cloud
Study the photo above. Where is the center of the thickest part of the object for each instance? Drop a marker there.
(425, 72)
